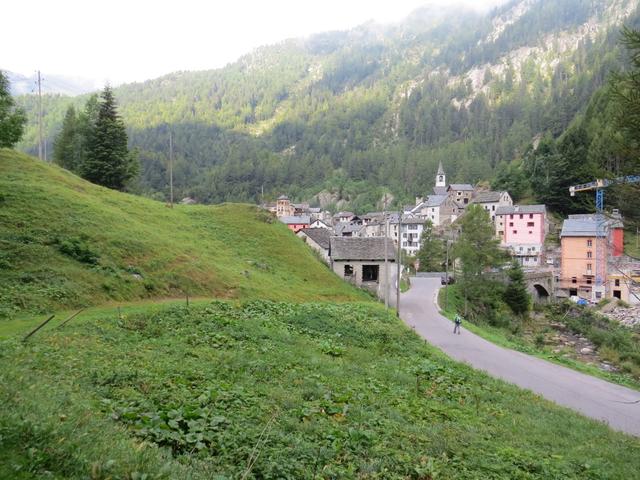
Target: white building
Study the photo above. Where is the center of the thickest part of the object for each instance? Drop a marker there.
(491, 201)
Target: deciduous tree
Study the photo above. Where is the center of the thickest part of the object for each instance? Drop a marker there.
(12, 119)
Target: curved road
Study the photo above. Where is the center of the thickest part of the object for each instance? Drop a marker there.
(588, 395)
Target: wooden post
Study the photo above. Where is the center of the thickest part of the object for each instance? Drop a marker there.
(70, 318)
(187, 293)
(38, 328)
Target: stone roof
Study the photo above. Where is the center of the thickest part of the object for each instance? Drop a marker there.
(356, 248)
(321, 236)
(612, 222)
(487, 197)
(283, 197)
(580, 227)
(343, 227)
(296, 220)
(512, 209)
(461, 186)
(440, 190)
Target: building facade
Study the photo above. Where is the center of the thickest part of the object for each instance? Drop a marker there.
(361, 261)
(522, 230)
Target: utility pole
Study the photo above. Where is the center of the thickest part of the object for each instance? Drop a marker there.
(399, 260)
(386, 254)
(446, 279)
(40, 150)
(170, 168)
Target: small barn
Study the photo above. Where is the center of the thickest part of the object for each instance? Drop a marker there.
(361, 261)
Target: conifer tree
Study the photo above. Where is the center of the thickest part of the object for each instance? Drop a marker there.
(109, 162)
(68, 146)
(12, 119)
(516, 295)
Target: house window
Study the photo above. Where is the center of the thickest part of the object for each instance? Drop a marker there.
(348, 270)
(493, 208)
(530, 224)
(466, 200)
(574, 280)
(510, 217)
(589, 254)
(404, 235)
(617, 282)
(413, 227)
(589, 267)
(521, 216)
(617, 294)
(515, 232)
(511, 224)
(531, 215)
(589, 243)
(598, 295)
(370, 273)
(500, 233)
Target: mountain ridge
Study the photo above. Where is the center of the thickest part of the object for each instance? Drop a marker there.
(397, 91)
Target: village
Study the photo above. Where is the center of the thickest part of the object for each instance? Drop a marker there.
(580, 257)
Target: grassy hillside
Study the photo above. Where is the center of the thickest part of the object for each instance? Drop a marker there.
(268, 390)
(65, 242)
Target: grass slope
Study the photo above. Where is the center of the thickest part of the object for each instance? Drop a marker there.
(65, 242)
(278, 390)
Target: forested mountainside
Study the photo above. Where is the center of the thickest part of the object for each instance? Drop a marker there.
(377, 107)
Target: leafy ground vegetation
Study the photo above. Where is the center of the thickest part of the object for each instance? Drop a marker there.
(65, 242)
(277, 390)
(538, 335)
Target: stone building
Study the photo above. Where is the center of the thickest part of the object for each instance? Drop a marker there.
(318, 239)
(361, 261)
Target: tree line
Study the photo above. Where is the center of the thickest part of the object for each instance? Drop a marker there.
(94, 144)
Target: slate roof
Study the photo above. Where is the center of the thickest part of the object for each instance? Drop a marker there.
(283, 197)
(578, 227)
(461, 186)
(356, 248)
(440, 169)
(440, 190)
(342, 228)
(513, 209)
(299, 220)
(321, 236)
(487, 197)
(615, 222)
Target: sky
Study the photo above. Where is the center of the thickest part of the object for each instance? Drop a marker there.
(134, 40)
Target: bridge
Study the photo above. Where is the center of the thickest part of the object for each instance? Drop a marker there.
(541, 285)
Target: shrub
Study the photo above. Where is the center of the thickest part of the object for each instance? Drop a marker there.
(78, 250)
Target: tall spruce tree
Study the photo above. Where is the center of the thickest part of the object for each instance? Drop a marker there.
(109, 162)
(12, 119)
(516, 295)
(68, 146)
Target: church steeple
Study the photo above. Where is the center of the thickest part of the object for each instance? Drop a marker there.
(441, 177)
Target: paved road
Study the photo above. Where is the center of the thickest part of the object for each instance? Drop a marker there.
(586, 394)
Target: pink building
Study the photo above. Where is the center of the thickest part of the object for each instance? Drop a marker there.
(296, 223)
(522, 229)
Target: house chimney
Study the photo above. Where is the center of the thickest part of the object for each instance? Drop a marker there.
(419, 200)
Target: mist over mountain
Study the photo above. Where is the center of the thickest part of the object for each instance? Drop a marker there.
(51, 84)
(376, 107)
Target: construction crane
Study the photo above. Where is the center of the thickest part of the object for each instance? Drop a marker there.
(599, 185)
